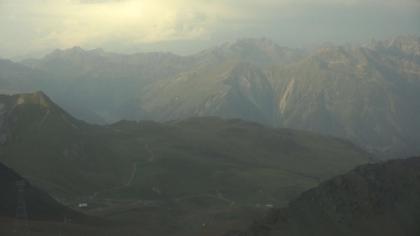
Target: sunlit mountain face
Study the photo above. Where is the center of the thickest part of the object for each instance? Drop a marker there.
(223, 117)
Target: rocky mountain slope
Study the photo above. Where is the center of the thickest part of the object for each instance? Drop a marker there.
(363, 95)
(376, 199)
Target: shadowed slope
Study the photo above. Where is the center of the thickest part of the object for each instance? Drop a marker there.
(376, 199)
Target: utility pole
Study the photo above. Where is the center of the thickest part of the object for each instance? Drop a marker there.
(21, 221)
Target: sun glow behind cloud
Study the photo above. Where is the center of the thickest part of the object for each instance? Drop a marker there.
(138, 21)
(69, 23)
(40, 25)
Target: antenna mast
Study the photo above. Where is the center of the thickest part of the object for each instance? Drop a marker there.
(21, 223)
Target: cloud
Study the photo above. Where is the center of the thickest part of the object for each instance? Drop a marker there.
(39, 25)
(66, 23)
(99, 1)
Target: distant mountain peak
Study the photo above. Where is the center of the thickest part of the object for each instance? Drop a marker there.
(260, 51)
(263, 44)
(403, 39)
(258, 42)
(75, 52)
(59, 53)
(408, 44)
(76, 49)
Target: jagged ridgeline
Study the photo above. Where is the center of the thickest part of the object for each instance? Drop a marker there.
(210, 168)
(367, 94)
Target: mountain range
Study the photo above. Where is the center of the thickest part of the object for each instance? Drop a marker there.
(367, 94)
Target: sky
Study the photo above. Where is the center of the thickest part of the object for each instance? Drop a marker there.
(34, 27)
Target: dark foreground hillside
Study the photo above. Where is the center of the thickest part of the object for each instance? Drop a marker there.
(377, 199)
(35, 203)
(21, 203)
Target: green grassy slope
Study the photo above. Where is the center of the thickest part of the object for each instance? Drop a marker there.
(166, 178)
(243, 162)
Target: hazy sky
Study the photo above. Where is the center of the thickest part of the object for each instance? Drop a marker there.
(30, 27)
